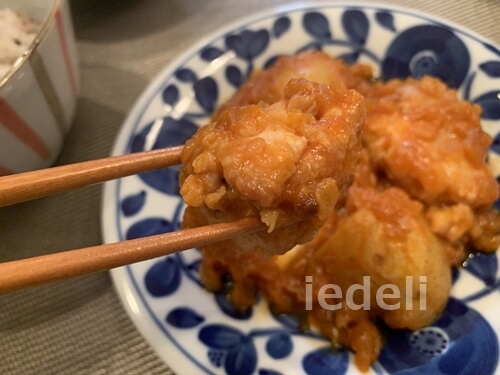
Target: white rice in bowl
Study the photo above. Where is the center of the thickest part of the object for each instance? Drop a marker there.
(17, 32)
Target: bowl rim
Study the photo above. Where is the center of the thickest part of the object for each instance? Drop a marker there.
(22, 60)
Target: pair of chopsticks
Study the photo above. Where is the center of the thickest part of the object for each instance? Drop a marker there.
(20, 274)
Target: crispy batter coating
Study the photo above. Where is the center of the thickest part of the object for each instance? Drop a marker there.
(286, 161)
(429, 142)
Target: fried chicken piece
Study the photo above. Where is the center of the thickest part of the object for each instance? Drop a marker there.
(285, 162)
(268, 85)
(429, 142)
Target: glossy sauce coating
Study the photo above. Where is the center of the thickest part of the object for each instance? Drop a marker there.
(286, 162)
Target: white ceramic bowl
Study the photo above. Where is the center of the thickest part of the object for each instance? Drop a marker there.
(38, 95)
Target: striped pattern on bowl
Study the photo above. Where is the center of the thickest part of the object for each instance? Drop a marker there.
(38, 97)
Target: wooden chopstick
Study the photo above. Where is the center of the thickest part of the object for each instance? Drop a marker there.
(26, 186)
(20, 274)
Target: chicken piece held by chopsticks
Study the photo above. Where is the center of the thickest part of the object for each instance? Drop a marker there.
(288, 162)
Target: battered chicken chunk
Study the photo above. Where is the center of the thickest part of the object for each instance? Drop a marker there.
(429, 142)
(285, 162)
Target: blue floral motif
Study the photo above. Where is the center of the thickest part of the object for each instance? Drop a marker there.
(155, 225)
(490, 103)
(163, 278)
(166, 132)
(184, 317)
(460, 342)
(170, 95)
(356, 26)
(491, 68)
(164, 180)
(186, 75)
(211, 53)
(427, 50)
(316, 24)
(235, 350)
(133, 203)
(279, 345)
(225, 342)
(241, 361)
(324, 361)
(248, 45)
(386, 20)
(234, 76)
(216, 357)
(206, 93)
(281, 26)
(149, 227)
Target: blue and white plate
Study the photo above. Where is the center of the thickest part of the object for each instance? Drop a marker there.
(196, 332)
